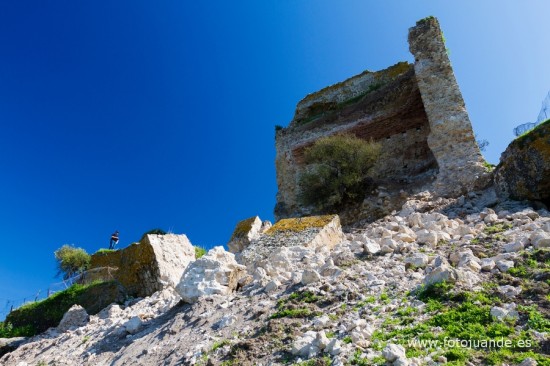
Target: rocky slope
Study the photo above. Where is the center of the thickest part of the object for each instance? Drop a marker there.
(440, 271)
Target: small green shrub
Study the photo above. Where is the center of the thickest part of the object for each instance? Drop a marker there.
(336, 172)
(435, 291)
(199, 252)
(71, 261)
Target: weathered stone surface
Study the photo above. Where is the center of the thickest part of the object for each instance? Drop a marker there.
(75, 317)
(148, 266)
(451, 138)
(215, 273)
(314, 232)
(524, 169)
(246, 231)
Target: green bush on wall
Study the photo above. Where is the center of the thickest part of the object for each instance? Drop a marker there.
(337, 171)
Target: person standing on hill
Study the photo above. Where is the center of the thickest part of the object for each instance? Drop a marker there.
(114, 240)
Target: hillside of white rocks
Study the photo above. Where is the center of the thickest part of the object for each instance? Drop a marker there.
(445, 271)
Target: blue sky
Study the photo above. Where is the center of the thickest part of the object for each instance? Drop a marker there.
(133, 115)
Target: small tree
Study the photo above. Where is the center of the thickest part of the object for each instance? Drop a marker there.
(336, 172)
(71, 261)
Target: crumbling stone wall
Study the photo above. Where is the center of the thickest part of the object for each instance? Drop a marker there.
(451, 139)
(415, 111)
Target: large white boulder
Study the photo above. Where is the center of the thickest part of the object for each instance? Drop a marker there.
(216, 272)
(173, 253)
(75, 317)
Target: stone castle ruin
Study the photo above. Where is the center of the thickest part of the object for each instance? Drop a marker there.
(415, 111)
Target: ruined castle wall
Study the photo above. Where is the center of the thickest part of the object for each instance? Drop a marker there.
(384, 106)
(416, 113)
(451, 139)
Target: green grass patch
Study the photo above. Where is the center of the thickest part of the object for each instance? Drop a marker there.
(463, 316)
(219, 344)
(536, 320)
(497, 228)
(199, 252)
(436, 291)
(35, 317)
(295, 313)
(323, 361)
(104, 250)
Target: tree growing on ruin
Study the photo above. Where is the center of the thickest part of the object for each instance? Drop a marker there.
(71, 261)
(336, 171)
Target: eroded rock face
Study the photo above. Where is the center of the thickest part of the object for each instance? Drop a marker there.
(145, 267)
(215, 273)
(524, 169)
(417, 114)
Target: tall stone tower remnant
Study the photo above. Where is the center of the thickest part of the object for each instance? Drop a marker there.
(417, 114)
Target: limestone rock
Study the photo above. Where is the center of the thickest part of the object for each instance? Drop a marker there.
(216, 272)
(507, 311)
(417, 260)
(441, 273)
(393, 352)
(487, 264)
(145, 267)
(245, 231)
(317, 233)
(513, 247)
(371, 247)
(540, 239)
(426, 237)
(504, 265)
(304, 346)
(334, 347)
(75, 317)
(133, 325)
(509, 291)
(524, 169)
(310, 276)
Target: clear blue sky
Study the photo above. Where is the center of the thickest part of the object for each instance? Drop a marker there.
(133, 115)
